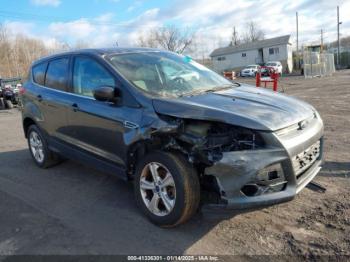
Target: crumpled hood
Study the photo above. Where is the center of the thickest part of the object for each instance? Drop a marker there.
(245, 106)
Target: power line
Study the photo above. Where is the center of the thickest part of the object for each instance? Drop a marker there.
(23, 16)
(19, 16)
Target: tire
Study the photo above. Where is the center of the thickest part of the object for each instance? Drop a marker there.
(2, 103)
(184, 202)
(8, 104)
(48, 158)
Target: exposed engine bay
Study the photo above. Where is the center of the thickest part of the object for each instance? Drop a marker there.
(205, 141)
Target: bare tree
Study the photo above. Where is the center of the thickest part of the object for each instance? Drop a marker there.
(5, 66)
(147, 41)
(17, 52)
(235, 40)
(169, 37)
(81, 44)
(253, 33)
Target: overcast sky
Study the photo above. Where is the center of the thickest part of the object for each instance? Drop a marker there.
(103, 22)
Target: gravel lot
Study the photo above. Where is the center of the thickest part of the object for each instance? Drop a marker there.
(72, 209)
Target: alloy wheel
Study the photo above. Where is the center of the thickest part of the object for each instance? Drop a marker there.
(158, 189)
(36, 146)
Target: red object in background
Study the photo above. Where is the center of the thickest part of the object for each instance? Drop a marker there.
(231, 75)
(22, 90)
(258, 79)
(272, 78)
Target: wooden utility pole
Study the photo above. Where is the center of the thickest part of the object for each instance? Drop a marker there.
(338, 24)
(234, 40)
(321, 40)
(297, 24)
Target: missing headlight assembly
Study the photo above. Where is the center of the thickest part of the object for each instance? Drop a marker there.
(206, 141)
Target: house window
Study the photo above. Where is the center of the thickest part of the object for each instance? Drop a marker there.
(275, 50)
(221, 58)
(244, 54)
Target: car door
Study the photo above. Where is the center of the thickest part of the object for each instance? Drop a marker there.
(52, 96)
(100, 128)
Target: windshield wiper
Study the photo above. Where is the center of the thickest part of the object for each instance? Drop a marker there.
(215, 89)
(220, 88)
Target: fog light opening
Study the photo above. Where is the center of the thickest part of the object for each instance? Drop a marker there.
(273, 175)
(250, 190)
(270, 173)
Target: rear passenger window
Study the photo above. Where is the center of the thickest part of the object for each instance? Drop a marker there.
(39, 73)
(89, 75)
(57, 74)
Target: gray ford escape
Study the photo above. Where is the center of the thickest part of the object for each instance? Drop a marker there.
(185, 135)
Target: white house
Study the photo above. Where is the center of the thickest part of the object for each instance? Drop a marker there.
(236, 57)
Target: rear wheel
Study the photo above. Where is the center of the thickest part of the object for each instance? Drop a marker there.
(166, 188)
(39, 150)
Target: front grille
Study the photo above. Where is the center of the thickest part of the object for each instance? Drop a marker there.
(302, 161)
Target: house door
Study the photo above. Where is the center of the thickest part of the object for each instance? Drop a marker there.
(260, 58)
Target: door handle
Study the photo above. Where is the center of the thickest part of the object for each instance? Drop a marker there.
(75, 107)
(39, 97)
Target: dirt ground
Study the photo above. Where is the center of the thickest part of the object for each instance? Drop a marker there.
(73, 209)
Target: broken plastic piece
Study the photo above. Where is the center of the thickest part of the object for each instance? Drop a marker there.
(316, 187)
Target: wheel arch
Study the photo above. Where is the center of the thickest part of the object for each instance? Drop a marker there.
(27, 122)
(143, 147)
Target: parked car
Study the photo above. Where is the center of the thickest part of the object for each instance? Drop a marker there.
(276, 65)
(250, 70)
(183, 74)
(8, 97)
(179, 140)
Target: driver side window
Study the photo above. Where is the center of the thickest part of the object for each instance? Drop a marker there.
(170, 70)
(88, 75)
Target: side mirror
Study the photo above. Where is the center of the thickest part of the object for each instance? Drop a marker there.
(106, 94)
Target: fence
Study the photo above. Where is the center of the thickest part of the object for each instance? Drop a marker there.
(318, 64)
(344, 61)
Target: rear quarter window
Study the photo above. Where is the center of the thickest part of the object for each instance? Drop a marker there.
(57, 74)
(39, 73)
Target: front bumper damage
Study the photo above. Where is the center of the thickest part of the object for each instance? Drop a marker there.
(255, 178)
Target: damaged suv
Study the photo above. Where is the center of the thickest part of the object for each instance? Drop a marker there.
(186, 136)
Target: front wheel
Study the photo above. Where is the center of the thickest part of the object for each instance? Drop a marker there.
(166, 188)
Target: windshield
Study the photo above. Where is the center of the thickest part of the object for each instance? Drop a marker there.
(271, 64)
(167, 74)
(251, 66)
